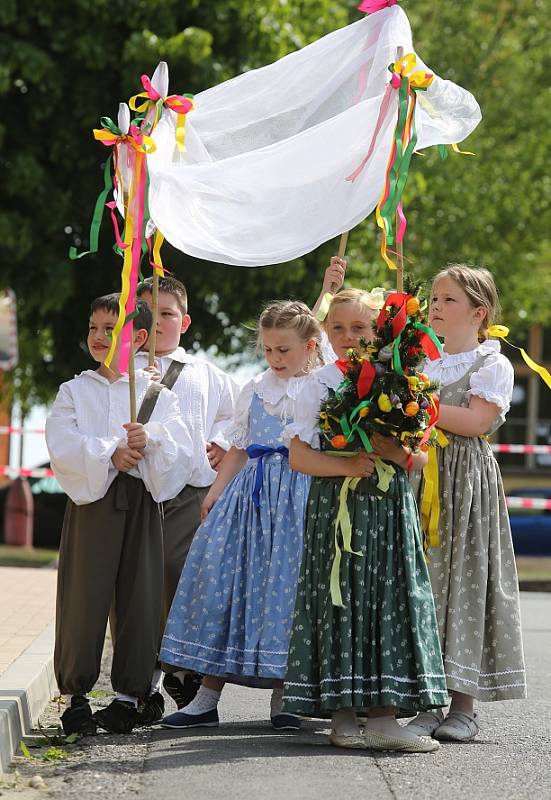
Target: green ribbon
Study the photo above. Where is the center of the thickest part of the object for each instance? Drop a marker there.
(98, 214)
(396, 361)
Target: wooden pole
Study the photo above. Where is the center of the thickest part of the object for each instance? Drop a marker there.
(400, 265)
(132, 377)
(399, 245)
(155, 313)
(342, 244)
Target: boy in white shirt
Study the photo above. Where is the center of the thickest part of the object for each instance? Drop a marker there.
(207, 399)
(111, 553)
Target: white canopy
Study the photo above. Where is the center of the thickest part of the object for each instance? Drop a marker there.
(264, 176)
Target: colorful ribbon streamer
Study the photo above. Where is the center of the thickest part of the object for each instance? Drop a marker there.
(181, 104)
(407, 82)
(430, 498)
(501, 332)
(343, 525)
(259, 451)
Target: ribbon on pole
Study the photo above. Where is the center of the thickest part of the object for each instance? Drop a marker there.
(501, 332)
(389, 208)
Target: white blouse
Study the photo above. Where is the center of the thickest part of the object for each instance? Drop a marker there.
(313, 391)
(493, 381)
(207, 398)
(278, 397)
(84, 428)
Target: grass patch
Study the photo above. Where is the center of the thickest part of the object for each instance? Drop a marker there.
(11, 556)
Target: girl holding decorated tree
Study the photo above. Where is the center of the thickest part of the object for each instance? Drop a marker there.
(365, 638)
(471, 562)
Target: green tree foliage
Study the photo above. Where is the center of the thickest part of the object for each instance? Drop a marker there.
(63, 65)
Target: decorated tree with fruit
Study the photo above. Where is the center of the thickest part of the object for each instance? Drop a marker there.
(383, 390)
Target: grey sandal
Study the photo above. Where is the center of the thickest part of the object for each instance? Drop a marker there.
(457, 727)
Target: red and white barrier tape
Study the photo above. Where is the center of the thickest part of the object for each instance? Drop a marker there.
(9, 429)
(24, 472)
(521, 448)
(539, 503)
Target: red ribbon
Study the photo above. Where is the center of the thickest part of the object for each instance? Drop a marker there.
(365, 379)
(399, 300)
(429, 347)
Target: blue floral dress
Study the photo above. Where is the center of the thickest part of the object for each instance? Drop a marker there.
(232, 613)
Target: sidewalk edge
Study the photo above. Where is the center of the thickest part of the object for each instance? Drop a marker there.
(32, 675)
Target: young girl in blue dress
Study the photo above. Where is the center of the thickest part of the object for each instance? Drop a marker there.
(231, 616)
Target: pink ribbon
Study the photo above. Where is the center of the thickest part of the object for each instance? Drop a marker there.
(371, 6)
(380, 119)
(177, 102)
(112, 205)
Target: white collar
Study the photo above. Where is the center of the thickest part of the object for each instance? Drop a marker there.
(470, 356)
(180, 355)
(95, 376)
(329, 375)
(272, 389)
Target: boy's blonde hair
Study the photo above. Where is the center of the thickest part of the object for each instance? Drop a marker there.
(294, 316)
(373, 301)
(479, 286)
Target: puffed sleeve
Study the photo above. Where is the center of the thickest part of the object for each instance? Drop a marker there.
(307, 406)
(168, 461)
(494, 382)
(327, 352)
(238, 432)
(81, 463)
(228, 391)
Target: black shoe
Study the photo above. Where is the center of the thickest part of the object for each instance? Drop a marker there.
(285, 722)
(182, 692)
(151, 710)
(78, 717)
(182, 720)
(118, 717)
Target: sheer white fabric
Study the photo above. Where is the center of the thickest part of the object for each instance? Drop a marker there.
(264, 176)
(493, 381)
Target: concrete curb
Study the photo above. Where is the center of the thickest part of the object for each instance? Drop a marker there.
(33, 676)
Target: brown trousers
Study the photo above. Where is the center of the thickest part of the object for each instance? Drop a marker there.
(182, 517)
(111, 558)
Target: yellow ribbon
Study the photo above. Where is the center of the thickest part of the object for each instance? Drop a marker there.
(385, 473)
(430, 498)
(501, 332)
(157, 260)
(127, 265)
(343, 523)
(147, 145)
(323, 310)
(462, 152)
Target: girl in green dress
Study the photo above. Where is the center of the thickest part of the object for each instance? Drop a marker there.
(378, 653)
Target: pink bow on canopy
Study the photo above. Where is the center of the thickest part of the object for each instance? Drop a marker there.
(371, 6)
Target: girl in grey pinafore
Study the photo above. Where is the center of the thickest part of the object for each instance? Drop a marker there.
(473, 572)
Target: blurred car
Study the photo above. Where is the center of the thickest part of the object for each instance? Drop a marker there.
(531, 527)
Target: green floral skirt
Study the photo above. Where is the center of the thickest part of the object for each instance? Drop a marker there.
(382, 648)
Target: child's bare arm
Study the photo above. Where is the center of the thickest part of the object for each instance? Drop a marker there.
(332, 280)
(390, 449)
(472, 421)
(234, 460)
(304, 458)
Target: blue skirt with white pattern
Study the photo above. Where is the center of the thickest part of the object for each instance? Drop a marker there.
(232, 613)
